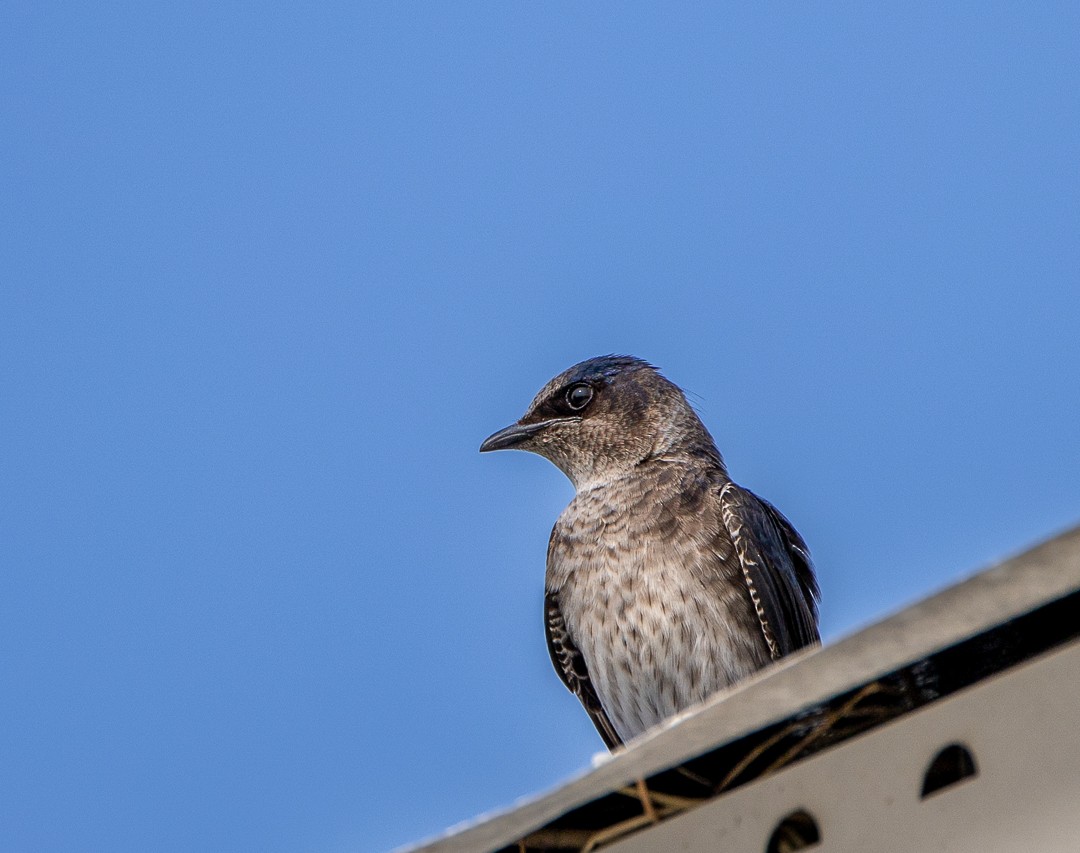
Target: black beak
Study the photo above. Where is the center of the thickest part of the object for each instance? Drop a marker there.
(514, 434)
(511, 436)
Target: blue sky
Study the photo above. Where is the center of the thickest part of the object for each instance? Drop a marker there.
(268, 276)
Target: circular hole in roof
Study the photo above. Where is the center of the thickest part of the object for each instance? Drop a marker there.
(950, 766)
(797, 831)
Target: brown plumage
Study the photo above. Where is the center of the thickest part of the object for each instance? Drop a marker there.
(665, 581)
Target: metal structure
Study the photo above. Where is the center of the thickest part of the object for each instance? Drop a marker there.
(953, 725)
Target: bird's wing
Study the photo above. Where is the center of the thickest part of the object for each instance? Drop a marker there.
(776, 567)
(570, 665)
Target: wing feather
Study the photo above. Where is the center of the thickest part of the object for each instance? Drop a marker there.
(776, 567)
(570, 665)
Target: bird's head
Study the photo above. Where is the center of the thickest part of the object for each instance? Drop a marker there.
(605, 416)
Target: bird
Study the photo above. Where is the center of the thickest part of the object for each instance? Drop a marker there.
(666, 582)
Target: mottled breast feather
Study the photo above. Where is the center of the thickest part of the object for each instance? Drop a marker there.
(649, 606)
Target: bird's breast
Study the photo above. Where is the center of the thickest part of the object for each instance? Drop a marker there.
(657, 631)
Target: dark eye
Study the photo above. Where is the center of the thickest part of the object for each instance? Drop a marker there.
(578, 397)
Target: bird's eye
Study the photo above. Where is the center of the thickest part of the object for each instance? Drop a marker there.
(578, 397)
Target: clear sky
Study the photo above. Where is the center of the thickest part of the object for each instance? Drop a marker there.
(269, 273)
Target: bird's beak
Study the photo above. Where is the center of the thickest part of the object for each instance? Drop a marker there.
(510, 436)
(514, 434)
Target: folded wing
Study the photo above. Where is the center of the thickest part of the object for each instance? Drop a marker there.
(570, 665)
(776, 567)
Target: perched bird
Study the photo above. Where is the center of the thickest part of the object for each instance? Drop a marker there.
(665, 581)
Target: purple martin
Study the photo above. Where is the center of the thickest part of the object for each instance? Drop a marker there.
(666, 581)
